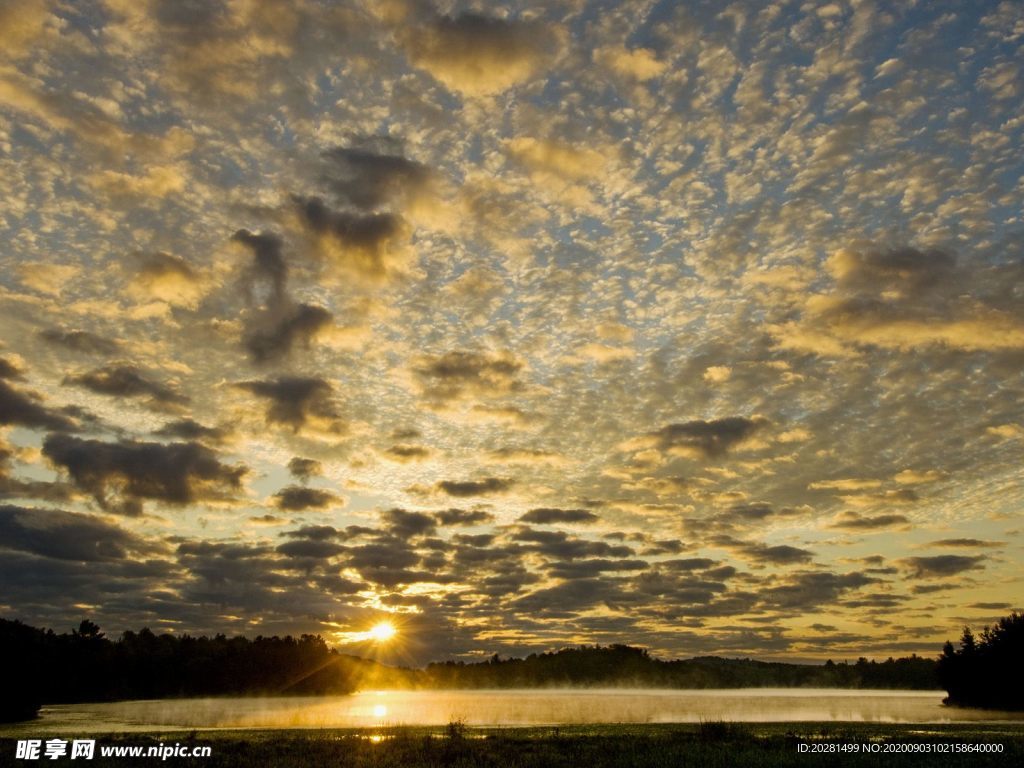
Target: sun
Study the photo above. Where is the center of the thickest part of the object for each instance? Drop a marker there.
(382, 632)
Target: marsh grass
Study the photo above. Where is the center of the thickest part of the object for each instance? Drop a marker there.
(713, 743)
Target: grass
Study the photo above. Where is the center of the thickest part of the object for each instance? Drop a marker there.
(710, 743)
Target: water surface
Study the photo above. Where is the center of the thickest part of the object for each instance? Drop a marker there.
(533, 707)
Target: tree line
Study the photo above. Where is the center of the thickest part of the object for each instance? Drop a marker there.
(40, 666)
(987, 671)
(84, 665)
(623, 665)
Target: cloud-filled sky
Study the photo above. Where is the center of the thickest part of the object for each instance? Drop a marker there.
(698, 325)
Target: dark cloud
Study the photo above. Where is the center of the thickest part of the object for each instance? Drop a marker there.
(278, 323)
(706, 438)
(810, 589)
(570, 597)
(405, 453)
(408, 524)
(939, 566)
(966, 543)
(852, 521)
(79, 341)
(277, 334)
(269, 271)
(760, 554)
(368, 180)
(476, 54)
(25, 408)
(311, 549)
(121, 475)
(781, 554)
(126, 381)
(367, 244)
(587, 569)
(549, 515)
(190, 430)
(296, 498)
(561, 546)
(903, 269)
(748, 513)
(10, 370)
(315, 532)
(297, 402)
(463, 517)
(157, 266)
(458, 373)
(688, 564)
(484, 487)
(304, 469)
(66, 535)
(388, 562)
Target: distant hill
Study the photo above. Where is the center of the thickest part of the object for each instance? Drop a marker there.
(41, 666)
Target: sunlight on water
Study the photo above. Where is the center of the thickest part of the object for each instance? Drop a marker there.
(374, 709)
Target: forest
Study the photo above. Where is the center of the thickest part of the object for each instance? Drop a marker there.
(987, 671)
(85, 665)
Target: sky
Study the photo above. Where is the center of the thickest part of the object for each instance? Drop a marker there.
(696, 326)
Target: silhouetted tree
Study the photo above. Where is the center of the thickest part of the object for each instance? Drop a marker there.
(988, 672)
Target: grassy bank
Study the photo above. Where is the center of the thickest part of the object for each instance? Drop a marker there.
(709, 744)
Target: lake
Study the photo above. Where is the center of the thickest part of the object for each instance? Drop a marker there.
(371, 709)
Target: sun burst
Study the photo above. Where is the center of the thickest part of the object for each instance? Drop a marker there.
(382, 632)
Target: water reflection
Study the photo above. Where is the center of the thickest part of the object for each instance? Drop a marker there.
(509, 708)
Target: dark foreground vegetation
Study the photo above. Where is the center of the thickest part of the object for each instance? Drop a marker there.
(651, 746)
(988, 671)
(41, 666)
(85, 665)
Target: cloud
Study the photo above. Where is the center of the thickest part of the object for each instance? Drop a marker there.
(66, 535)
(460, 374)
(296, 498)
(463, 517)
(26, 409)
(404, 524)
(191, 430)
(559, 545)
(550, 515)
(299, 403)
(638, 64)
(80, 341)
(905, 298)
(304, 469)
(478, 55)
(485, 487)
(371, 246)
(545, 159)
(701, 439)
(404, 453)
(779, 554)
(967, 543)
(810, 589)
(369, 180)
(527, 456)
(121, 475)
(50, 279)
(167, 278)
(277, 335)
(941, 566)
(852, 521)
(125, 380)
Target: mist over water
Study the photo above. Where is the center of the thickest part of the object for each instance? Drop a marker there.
(374, 709)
